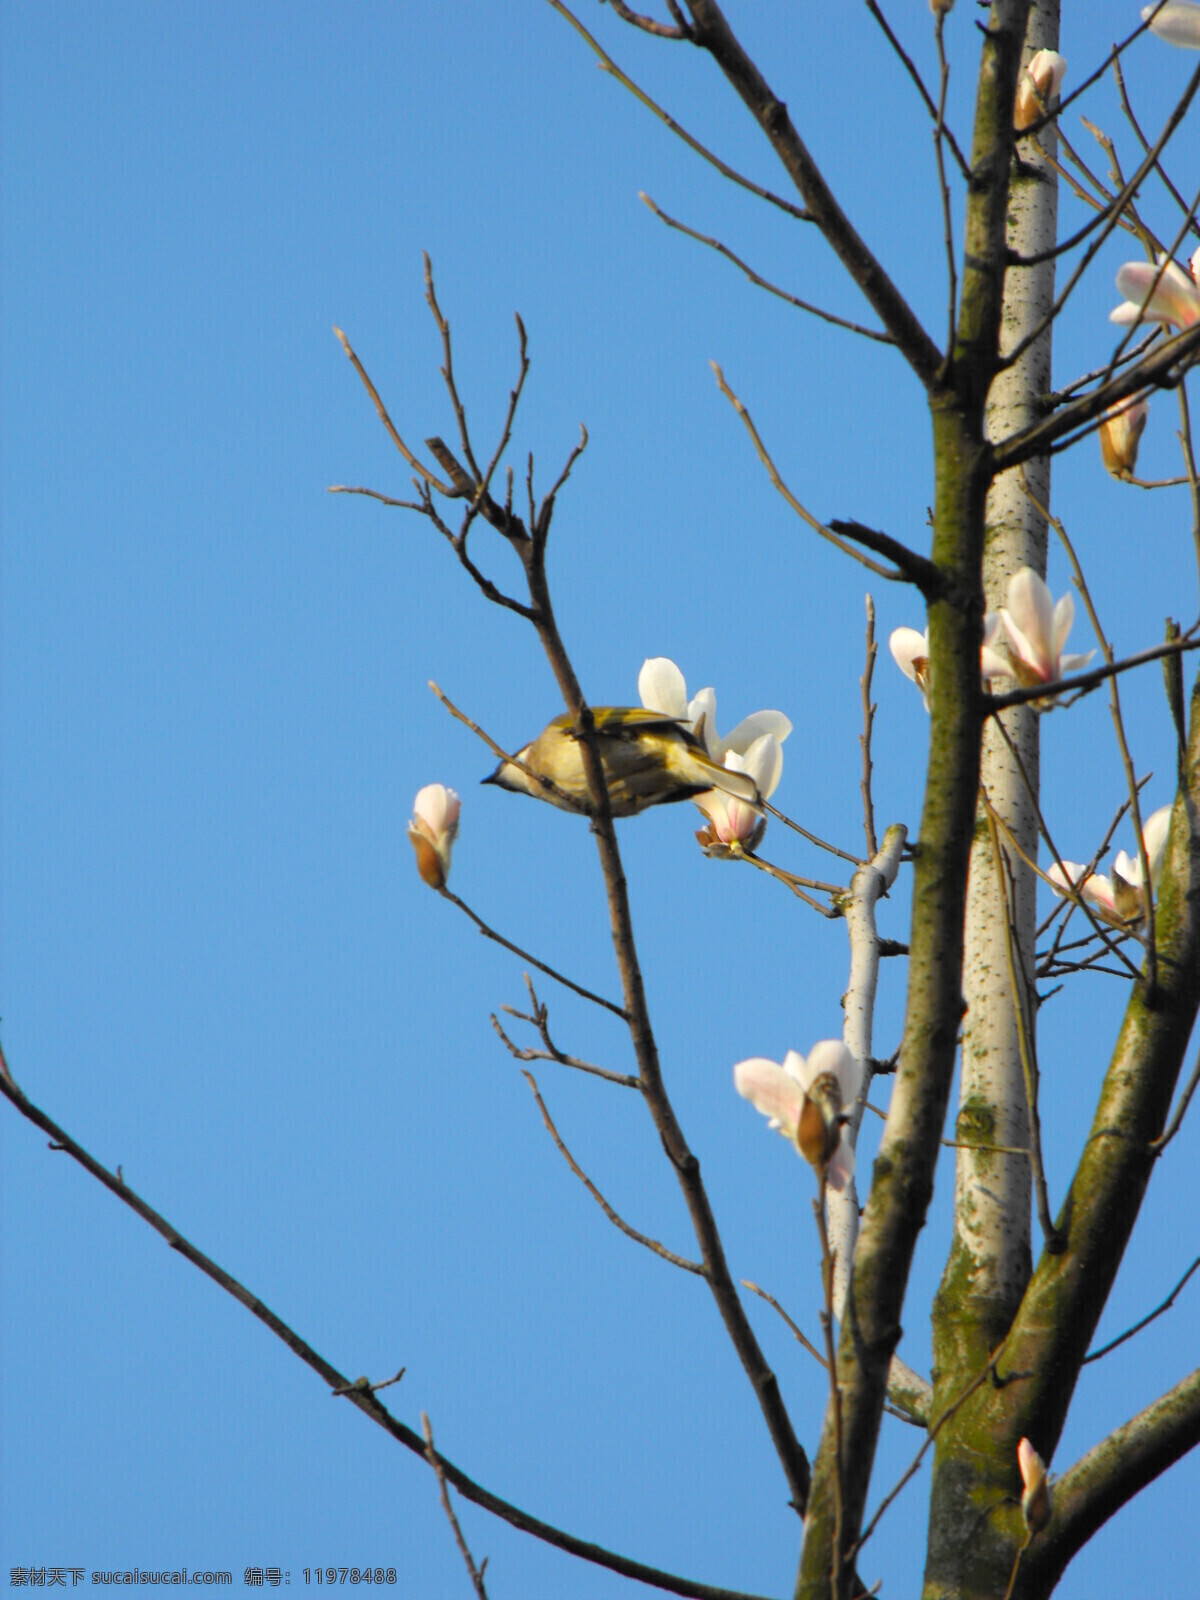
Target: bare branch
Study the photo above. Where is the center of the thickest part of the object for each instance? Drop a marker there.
(1145, 144)
(663, 30)
(713, 32)
(423, 472)
(893, 576)
(934, 112)
(1160, 1144)
(864, 737)
(761, 282)
(434, 1460)
(567, 983)
(632, 1233)
(1095, 1355)
(359, 1394)
(1087, 681)
(608, 65)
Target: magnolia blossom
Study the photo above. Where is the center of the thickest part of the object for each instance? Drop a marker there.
(1119, 434)
(808, 1101)
(1037, 87)
(432, 831)
(1037, 629)
(1161, 293)
(662, 688)
(1037, 1501)
(1120, 899)
(735, 826)
(910, 651)
(1177, 23)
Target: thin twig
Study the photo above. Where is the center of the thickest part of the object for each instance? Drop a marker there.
(893, 575)
(384, 499)
(607, 64)
(641, 1238)
(1094, 1355)
(434, 1461)
(539, 1018)
(521, 1053)
(813, 838)
(789, 880)
(443, 328)
(864, 738)
(939, 133)
(802, 1338)
(567, 983)
(1145, 144)
(763, 283)
(422, 471)
(932, 109)
(662, 30)
(1160, 1144)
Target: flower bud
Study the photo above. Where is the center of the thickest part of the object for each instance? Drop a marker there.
(432, 832)
(1038, 85)
(1037, 1501)
(819, 1131)
(1120, 433)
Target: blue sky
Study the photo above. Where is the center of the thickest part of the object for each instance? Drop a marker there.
(220, 969)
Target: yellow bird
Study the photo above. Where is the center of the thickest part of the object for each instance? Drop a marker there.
(649, 759)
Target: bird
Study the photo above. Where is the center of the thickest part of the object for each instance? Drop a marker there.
(649, 759)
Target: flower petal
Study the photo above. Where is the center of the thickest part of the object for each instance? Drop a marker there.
(1162, 292)
(770, 1090)
(763, 761)
(1177, 23)
(702, 714)
(661, 687)
(753, 727)
(1029, 619)
(1155, 831)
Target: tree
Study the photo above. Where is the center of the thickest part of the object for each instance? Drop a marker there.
(1010, 1334)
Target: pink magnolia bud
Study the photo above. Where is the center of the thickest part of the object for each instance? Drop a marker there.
(432, 832)
(1037, 1502)
(1038, 85)
(1120, 433)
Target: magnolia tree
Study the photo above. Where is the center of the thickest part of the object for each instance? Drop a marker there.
(993, 654)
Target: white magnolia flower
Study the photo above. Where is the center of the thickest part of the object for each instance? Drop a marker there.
(1177, 23)
(1161, 293)
(662, 687)
(808, 1101)
(1037, 629)
(432, 831)
(735, 826)
(1120, 899)
(910, 651)
(1037, 87)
